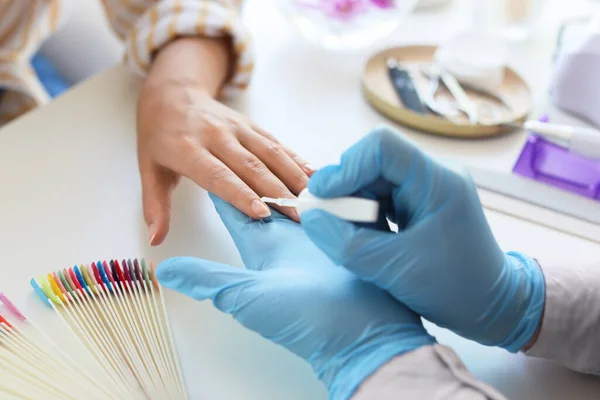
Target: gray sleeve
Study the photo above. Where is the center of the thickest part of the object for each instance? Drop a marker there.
(431, 372)
(570, 331)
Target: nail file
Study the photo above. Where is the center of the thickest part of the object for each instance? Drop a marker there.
(543, 217)
(538, 194)
(405, 87)
(349, 208)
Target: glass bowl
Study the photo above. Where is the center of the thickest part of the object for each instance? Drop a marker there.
(346, 24)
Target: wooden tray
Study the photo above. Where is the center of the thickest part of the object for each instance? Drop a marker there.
(515, 95)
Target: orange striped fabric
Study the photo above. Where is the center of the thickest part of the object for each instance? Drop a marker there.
(143, 25)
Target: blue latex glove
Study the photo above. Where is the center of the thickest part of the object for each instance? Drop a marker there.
(293, 295)
(444, 262)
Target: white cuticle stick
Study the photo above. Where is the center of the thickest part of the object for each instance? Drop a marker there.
(353, 209)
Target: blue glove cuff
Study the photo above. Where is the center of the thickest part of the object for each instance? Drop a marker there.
(344, 374)
(529, 275)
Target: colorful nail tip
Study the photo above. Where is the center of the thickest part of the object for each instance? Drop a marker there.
(47, 289)
(119, 271)
(4, 321)
(124, 323)
(11, 307)
(99, 277)
(39, 292)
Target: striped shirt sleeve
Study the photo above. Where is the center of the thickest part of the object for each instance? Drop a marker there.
(24, 25)
(145, 26)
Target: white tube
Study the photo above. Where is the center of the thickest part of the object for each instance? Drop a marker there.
(586, 142)
(582, 141)
(353, 209)
(562, 132)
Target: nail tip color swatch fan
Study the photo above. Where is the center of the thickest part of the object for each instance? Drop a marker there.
(116, 310)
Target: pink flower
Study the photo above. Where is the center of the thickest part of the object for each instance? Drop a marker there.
(346, 9)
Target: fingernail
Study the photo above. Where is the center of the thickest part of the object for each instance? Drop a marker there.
(261, 209)
(295, 214)
(309, 168)
(153, 232)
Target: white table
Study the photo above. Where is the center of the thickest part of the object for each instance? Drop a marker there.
(70, 194)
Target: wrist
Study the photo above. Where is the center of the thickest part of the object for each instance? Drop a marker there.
(198, 62)
(342, 375)
(526, 298)
(536, 334)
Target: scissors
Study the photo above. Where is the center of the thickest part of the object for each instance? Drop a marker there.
(467, 106)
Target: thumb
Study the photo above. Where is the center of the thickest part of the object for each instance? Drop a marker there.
(233, 218)
(201, 280)
(381, 162)
(361, 165)
(157, 188)
(363, 251)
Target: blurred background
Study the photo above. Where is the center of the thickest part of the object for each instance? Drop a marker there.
(85, 45)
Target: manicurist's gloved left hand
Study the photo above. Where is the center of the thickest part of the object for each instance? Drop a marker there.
(293, 295)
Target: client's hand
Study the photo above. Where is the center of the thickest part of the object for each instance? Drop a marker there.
(444, 262)
(293, 295)
(184, 131)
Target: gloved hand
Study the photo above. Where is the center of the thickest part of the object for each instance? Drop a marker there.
(293, 295)
(444, 262)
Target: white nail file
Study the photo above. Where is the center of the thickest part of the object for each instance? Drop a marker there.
(536, 203)
(353, 209)
(537, 193)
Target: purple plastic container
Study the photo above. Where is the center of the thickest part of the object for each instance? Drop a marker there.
(555, 165)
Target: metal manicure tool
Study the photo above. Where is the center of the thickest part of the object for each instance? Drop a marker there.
(464, 104)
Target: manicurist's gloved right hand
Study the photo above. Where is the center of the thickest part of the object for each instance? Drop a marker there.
(292, 294)
(444, 262)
